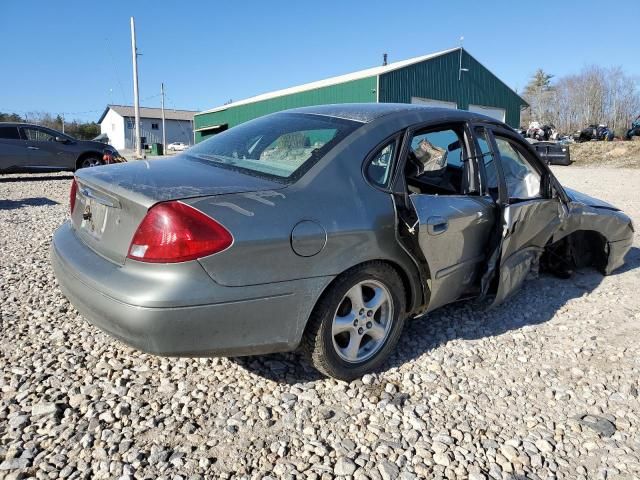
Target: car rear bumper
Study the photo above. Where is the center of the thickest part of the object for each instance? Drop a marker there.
(232, 321)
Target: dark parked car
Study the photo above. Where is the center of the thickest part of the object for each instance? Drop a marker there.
(634, 130)
(26, 148)
(323, 227)
(594, 132)
(553, 153)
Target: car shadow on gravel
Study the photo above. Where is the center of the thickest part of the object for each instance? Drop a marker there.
(35, 178)
(287, 368)
(536, 303)
(26, 202)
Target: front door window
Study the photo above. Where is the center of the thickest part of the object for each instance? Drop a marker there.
(523, 181)
(37, 135)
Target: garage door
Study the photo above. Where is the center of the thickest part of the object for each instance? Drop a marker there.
(429, 102)
(493, 112)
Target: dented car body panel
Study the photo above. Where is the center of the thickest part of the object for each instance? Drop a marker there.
(613, 225)
(527, 228)
(293, 236)
(453, 254)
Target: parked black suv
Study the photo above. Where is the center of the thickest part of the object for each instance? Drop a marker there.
(26, 148)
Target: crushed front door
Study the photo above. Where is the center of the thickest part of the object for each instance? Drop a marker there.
(530, 216)
(526, 228)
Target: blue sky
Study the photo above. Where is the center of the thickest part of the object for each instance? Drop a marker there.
(75, 57)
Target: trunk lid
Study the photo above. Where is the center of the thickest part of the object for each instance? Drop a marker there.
(111, 201)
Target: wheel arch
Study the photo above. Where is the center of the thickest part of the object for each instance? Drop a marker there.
(581, 248)
(317, 341)
(412, 292)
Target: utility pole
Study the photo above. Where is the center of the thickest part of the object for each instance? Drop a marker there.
(164, 132)
(136, 101)
(62, 118)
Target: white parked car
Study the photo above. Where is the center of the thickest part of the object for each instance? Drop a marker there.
(177, 146)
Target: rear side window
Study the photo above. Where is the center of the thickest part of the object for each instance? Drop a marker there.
(438, 149)
(282, 146)
(9, 133)
(378, 169)
(434, 162)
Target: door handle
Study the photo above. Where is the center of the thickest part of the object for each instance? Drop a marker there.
(437, 225)
(33, 148)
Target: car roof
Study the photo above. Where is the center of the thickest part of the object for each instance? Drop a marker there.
(368, 112)
(21, 124)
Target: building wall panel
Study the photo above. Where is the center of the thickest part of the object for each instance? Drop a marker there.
(356, 91)
(438, 79)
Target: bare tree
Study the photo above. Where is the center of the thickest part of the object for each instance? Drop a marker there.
(595, 95)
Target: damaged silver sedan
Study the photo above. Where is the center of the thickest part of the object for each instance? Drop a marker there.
(322, 228)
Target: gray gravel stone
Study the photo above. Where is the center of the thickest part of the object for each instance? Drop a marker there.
(544, 446)
(442, 458)
(388, 470)
(44, 409)
(14, 464)
(599, 424)
(344, 466)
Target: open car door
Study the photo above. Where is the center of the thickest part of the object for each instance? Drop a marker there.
(450, 220)
(530, 212)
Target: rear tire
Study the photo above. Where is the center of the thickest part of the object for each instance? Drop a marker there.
(351, 333)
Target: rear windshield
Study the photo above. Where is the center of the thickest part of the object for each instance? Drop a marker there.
(282, 146)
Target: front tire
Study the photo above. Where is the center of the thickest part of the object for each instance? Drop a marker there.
(89, 162)
(357, 322)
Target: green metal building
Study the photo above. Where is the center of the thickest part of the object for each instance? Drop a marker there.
(451, 78)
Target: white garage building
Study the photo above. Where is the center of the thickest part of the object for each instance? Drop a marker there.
(118, 123)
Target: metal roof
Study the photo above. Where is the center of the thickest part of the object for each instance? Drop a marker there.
(368, 112)
(369, 72)
(359, 112)
(146, 112)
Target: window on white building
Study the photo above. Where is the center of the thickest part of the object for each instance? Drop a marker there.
(154, 126)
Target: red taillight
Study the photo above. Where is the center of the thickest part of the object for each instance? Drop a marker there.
(72, 195)
(175, 232)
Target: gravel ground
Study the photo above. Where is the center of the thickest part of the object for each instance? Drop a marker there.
(545, 386)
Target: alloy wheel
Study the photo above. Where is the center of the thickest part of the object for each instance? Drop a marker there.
(91, 162)
(362, 321)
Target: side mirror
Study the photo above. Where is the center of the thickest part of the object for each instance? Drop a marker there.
(61, 140)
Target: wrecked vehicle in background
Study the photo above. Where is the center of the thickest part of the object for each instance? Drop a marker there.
(322, 228)
(541, 132)
(594, 132)
(553, 153)
(634, 131)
